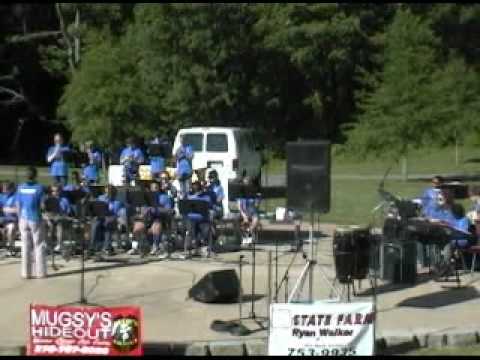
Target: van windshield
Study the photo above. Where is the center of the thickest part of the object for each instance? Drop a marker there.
(195, 140)
(217, 143)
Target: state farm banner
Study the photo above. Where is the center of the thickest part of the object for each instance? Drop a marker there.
(321, 329)
(77, 331)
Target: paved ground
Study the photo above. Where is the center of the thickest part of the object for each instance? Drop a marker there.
(161, 288)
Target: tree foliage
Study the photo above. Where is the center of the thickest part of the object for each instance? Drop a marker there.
(385, 77)
(417, 100)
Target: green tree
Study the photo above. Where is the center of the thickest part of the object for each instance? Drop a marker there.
(400, 113)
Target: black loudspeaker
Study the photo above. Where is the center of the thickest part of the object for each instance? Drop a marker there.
(308, 176)
(220, 286)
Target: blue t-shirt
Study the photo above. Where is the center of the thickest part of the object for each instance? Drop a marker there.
(184, 158)
(135, 154)
(441, 214)
(59, 166)
(461, 240)
(195, 216)
(164, 202)
(157, 163)
(29, 199)
(8, 201)
(249, 205)
(115, 207)
(429, 197)
(73, 187)
(90, 171)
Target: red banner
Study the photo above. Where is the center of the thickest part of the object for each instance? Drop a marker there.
(85, 331)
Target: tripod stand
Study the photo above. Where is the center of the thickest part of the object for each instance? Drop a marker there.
(309, 269)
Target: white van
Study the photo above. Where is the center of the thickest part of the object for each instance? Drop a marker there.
(233, 150)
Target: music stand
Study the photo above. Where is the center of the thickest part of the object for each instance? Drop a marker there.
(242, 191)
(151, 199)
(52, 206)
(97, 209)
(200, 207)
(96, 190)
(82, 158)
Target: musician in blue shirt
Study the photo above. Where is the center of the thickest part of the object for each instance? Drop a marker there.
(184, 170)
(56, 159)
(462, 237)
(103, 228)
(9, 218)
(154, 220)
(92, 169)
(157, 162)
(131, 157)
(77, 184)
(248, 206)
(214, 186)
(57, 222)
(429, 196)
(198, 225)
(29, 198)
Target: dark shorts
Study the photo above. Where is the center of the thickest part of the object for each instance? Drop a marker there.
(4, 220)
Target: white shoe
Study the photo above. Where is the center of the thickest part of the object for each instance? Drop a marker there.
(163, 256)
(154, 250)
(132, 252)
(57, 249)
(247, 241)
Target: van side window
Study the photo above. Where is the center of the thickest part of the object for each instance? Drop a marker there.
(217, 143)
(195, 141)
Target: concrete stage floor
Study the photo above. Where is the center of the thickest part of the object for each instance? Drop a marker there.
(160, 288)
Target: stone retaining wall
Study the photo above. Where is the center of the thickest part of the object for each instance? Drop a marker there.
(389, 345)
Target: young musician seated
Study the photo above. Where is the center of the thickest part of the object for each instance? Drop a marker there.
(462, 238)
(8, 213)
(78, 184)
(166, 182)
(104, 227)
(56, 222)
(198, 225)
(155, 220)
(248, 206)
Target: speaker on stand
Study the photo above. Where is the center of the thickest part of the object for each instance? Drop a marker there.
(308, 192)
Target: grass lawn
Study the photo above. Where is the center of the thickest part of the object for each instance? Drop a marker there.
(429, 161)
(352, 201)
(463, 351)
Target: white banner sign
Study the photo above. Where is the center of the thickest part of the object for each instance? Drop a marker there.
(321, 329)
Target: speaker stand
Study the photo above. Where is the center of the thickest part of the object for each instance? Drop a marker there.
(309, 269)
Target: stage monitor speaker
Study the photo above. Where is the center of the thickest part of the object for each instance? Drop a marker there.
(308, 176)
(220, 286)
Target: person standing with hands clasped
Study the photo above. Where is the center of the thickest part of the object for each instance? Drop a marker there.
(29, 200)
(56, 159)
(184, 157)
